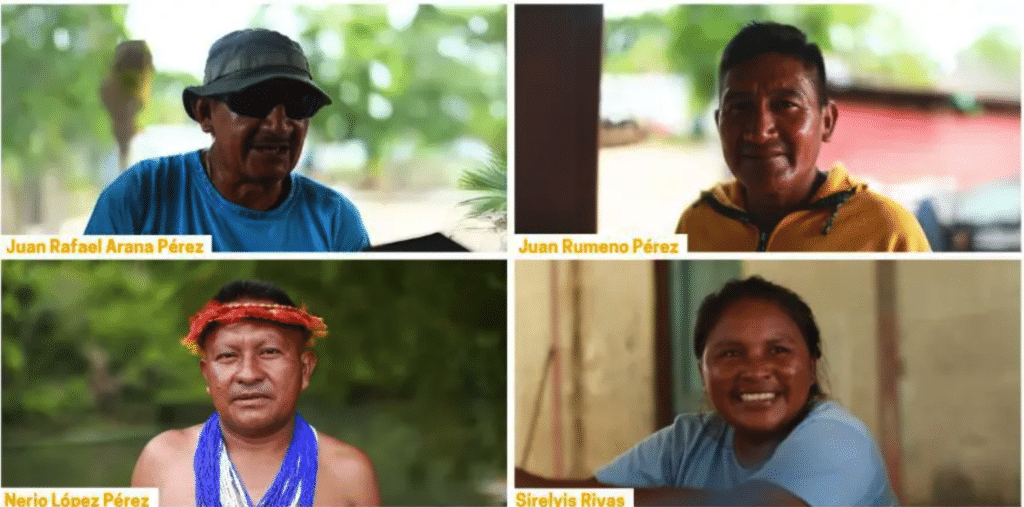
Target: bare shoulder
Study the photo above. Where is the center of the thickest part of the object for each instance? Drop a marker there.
(346, 475)
(165, 461)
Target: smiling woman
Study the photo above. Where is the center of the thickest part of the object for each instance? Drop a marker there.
(773, 437)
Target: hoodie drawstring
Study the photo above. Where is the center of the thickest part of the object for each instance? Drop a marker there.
(835, 201)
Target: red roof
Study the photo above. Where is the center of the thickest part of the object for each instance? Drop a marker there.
(897, 144)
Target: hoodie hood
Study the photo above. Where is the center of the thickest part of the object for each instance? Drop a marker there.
(727, 198)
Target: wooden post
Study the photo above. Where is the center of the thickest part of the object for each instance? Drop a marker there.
(890, 370)
(557, 89)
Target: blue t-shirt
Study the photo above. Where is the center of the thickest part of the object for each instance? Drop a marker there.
(830, 458)
(173, 195)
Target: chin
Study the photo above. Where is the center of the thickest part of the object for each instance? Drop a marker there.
(252, 421)
(765, 423)
(272, 172)
(764, 427)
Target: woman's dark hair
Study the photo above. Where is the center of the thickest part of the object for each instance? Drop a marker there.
(755, 287)
(758, 38)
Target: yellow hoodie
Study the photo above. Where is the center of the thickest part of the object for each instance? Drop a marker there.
(843, 216)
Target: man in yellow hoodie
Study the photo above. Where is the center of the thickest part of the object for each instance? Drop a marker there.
(774, 113)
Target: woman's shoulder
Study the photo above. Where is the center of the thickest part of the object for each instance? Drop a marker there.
(697, 426)
(830, 415)
(831, 426)
(835, 448)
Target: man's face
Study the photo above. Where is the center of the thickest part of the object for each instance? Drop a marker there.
(757, 368)
(254, 372)
(254, 149)
(772, 125)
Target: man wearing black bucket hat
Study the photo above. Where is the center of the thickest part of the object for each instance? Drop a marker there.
(256, 100)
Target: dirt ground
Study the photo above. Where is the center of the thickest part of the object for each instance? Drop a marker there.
(644, 187)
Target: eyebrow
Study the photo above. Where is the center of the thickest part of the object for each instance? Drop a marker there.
(260, 342)
(743, 94)
(736, 94)
(789, 92)
(774, 340)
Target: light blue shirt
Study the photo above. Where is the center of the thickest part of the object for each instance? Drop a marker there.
(830, 458)
(173, 195)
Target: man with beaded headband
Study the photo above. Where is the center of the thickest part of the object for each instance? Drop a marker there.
(255, 349)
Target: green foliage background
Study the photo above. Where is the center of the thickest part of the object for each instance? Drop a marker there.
(56, 56)
(435, 97)
(688, 40)
(412, 371)
(49, 107)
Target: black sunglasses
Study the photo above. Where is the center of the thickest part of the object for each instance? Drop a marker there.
(257, 101)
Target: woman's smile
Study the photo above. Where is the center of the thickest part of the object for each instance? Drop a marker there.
(757, 368)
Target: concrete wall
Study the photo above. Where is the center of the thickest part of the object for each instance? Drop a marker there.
(959, 338)
(960, 325)
(615, 324)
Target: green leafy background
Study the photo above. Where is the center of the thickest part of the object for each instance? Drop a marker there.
(412, 371)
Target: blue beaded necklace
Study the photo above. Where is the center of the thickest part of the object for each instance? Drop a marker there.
(298, 468)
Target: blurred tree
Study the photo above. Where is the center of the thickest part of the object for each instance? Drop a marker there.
(428, 331)
(700, 33)
(407, 81)
(636, 44)
(695, 35)
(423, 80)
(413, 369)
(999, 48)
(53, 58)
(126, 90)
(80, 333)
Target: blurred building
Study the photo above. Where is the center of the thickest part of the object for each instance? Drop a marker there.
(938, 150)
(896, 137)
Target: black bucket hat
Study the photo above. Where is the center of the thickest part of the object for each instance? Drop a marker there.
(243, 58)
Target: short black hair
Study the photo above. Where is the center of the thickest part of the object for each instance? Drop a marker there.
(253, 289)
(755, 287)
(760, 37)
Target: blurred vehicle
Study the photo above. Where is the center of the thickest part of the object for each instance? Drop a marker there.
(983, 218)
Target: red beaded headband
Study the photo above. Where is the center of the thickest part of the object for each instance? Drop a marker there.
(233, 312)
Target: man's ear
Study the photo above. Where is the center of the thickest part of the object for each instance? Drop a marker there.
(204, 367)
(703, 371)
(308, 359)
(202, 109)
(829, 116)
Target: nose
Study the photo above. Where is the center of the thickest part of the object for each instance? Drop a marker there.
(249, 370)
(761, 128)
(277, 120)
(756, 368)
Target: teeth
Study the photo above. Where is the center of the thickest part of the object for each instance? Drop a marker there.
(757, 396)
